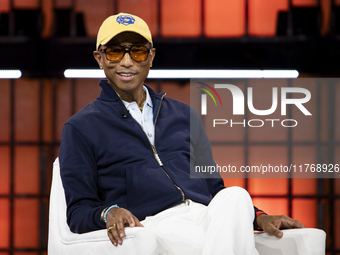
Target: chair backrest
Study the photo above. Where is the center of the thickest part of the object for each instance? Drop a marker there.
(59, 233)
(57, 210)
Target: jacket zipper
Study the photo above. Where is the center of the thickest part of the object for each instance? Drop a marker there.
(161, 165)
(156, 154)
(159, 161)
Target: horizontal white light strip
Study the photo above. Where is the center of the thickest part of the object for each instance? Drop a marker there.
(84, 73)
(10, 74)
(166, 74)
(190, 73)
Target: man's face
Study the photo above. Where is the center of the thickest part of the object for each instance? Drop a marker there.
(126, 75)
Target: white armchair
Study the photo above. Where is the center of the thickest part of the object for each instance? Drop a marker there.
(62, 241)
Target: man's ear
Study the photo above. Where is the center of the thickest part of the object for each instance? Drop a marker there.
(98, 57)
(152, 55)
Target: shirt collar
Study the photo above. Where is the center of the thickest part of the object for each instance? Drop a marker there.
(148, 100)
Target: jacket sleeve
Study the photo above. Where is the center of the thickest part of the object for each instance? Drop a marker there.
(257, 213)
(79, 177)
(203, 156)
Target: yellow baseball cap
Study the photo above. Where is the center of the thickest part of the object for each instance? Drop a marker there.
(122, 22)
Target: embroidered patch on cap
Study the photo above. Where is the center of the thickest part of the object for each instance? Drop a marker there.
(125, 19)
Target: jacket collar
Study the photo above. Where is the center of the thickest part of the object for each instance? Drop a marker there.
(107, 93)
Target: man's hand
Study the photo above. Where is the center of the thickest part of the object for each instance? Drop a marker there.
(273, 224)
(117, 219)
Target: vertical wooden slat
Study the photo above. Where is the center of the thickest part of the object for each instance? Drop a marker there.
(274, 156)
(181, 22)
(4, 223)
(27, 176)
(5, 110)
(26, 216)
(305, 211)
(263, 15)
(12, 160)
(27, 110)
(5, 170)
(224, 18)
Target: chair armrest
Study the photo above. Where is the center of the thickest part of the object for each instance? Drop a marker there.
(306, 241)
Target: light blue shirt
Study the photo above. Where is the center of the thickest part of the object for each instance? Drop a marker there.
(145, 117)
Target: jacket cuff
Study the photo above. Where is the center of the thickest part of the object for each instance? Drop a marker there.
(257, 213)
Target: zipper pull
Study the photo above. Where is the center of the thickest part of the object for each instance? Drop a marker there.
(156, 156)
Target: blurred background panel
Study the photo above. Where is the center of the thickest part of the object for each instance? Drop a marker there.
(176, 13)
(224, 18)
(263, 16)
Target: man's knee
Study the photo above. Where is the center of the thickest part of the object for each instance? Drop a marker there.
(233, 201)
(234, 192)
(233, 197)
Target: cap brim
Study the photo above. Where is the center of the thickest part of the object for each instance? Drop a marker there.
(109, 38)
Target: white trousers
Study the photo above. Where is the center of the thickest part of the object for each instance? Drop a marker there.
(225, 226)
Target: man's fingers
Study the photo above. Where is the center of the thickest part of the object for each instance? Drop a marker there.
(131, 221)
(277, 224)
(272, 229)
(120, 231)
(118, 219)
(137, 223)
(297, 224)
(300, 225)
(113, 234)
(279, 233)
(111, 239)
(273, 224)
(291, 223)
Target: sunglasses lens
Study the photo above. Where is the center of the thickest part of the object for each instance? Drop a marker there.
(139, 53)
(115, 53)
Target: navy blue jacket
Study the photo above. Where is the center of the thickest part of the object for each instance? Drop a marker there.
(106, 158)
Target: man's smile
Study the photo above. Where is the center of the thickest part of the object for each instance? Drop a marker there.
(126, 76)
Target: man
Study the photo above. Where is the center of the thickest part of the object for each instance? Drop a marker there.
(125, 161)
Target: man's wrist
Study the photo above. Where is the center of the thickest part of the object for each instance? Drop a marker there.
(106, 210)
(257, 222)
(102, 214)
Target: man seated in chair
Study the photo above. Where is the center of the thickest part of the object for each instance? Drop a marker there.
(125, 161)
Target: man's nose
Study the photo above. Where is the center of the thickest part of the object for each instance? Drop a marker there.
(126, 60)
